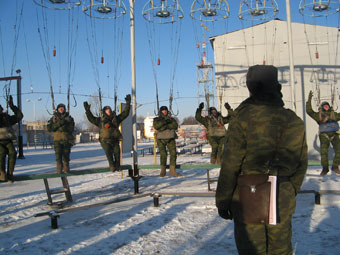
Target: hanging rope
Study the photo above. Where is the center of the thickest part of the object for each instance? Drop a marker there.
(92, 46)
(71, 52)
(150, 29)
(44, 42)
(175, 43)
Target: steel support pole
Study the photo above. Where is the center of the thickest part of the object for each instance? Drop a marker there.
(133, 85)
(291, 56)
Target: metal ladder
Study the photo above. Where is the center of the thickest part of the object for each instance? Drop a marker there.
(66, 190)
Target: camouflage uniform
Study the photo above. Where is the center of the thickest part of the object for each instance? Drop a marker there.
(165, 127)
(62, 127)
(263, 138)
(6, 141)
(326, 138)
(215, 130)
(109, 134)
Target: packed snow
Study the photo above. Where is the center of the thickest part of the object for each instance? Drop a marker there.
(180, 225)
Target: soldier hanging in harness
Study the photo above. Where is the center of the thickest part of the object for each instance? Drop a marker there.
(327, 120)
(214, 123)
(7, 136)
(62, 127)
(109, 134)
(166, 127)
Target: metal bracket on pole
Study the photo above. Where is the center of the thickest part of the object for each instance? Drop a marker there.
(156, 197)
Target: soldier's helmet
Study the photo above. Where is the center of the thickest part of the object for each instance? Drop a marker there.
(211, 109)
(61, 105)
(323, 104)
(106, 107)
(162, 108)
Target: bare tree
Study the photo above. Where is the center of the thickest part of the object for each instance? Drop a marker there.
(140, 118)
(189, 121)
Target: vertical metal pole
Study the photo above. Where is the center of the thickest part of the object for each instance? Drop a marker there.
(20, 142)
(291, 56)
(35, 125)
(133, 84)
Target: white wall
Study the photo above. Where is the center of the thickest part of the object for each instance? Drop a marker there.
(236, 51)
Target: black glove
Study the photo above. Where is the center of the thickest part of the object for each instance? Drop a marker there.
(201, 106)
(225, 214)
(128, 98)
(227, 106)
(310, 95)
(10, 102)
(87, 106)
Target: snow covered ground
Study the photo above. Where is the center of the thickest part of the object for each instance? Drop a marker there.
(180, 225)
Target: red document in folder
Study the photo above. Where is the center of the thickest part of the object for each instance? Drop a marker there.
(272, 206)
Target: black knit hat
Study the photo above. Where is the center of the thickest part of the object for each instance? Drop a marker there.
(262, 82)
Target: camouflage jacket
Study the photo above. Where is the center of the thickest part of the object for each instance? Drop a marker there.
(322, 116)
(163, 123)
(62, 126)
(213, 124)
(109, 125)
(262, 139)
(7, 121)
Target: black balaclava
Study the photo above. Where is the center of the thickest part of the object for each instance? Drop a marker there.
(262, 82)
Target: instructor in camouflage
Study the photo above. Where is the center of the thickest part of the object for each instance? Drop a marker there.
(7, 136)
(62, 127)
(109, 134)
(166, 127)
(327, 120)
(214, 123)
(263, 138)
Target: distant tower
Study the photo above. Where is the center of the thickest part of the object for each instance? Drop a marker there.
(205, 81)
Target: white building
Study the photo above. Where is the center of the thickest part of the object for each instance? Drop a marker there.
(316, 64)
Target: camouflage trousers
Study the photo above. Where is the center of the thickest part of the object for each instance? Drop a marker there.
(112, 152)
(62, 151)
(7, 148)
(325, 141)
(261, 239)
(162, 145)
(217, 146)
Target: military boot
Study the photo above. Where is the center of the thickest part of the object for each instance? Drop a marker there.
(66, 167)
(324, 171)
(3, 176)
(335, 168)
(112, 169)
(173, 171)
(10, 178)
(163, 171)
(59, 167)
(212, 160)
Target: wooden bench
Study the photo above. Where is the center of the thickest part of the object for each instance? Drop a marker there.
(65, 185)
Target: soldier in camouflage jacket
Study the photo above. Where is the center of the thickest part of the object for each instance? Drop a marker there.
(62, 127)
(166, 127)
(6, 140)
(263, 138)
(109, 134)
(214, 123)
(327, 120)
